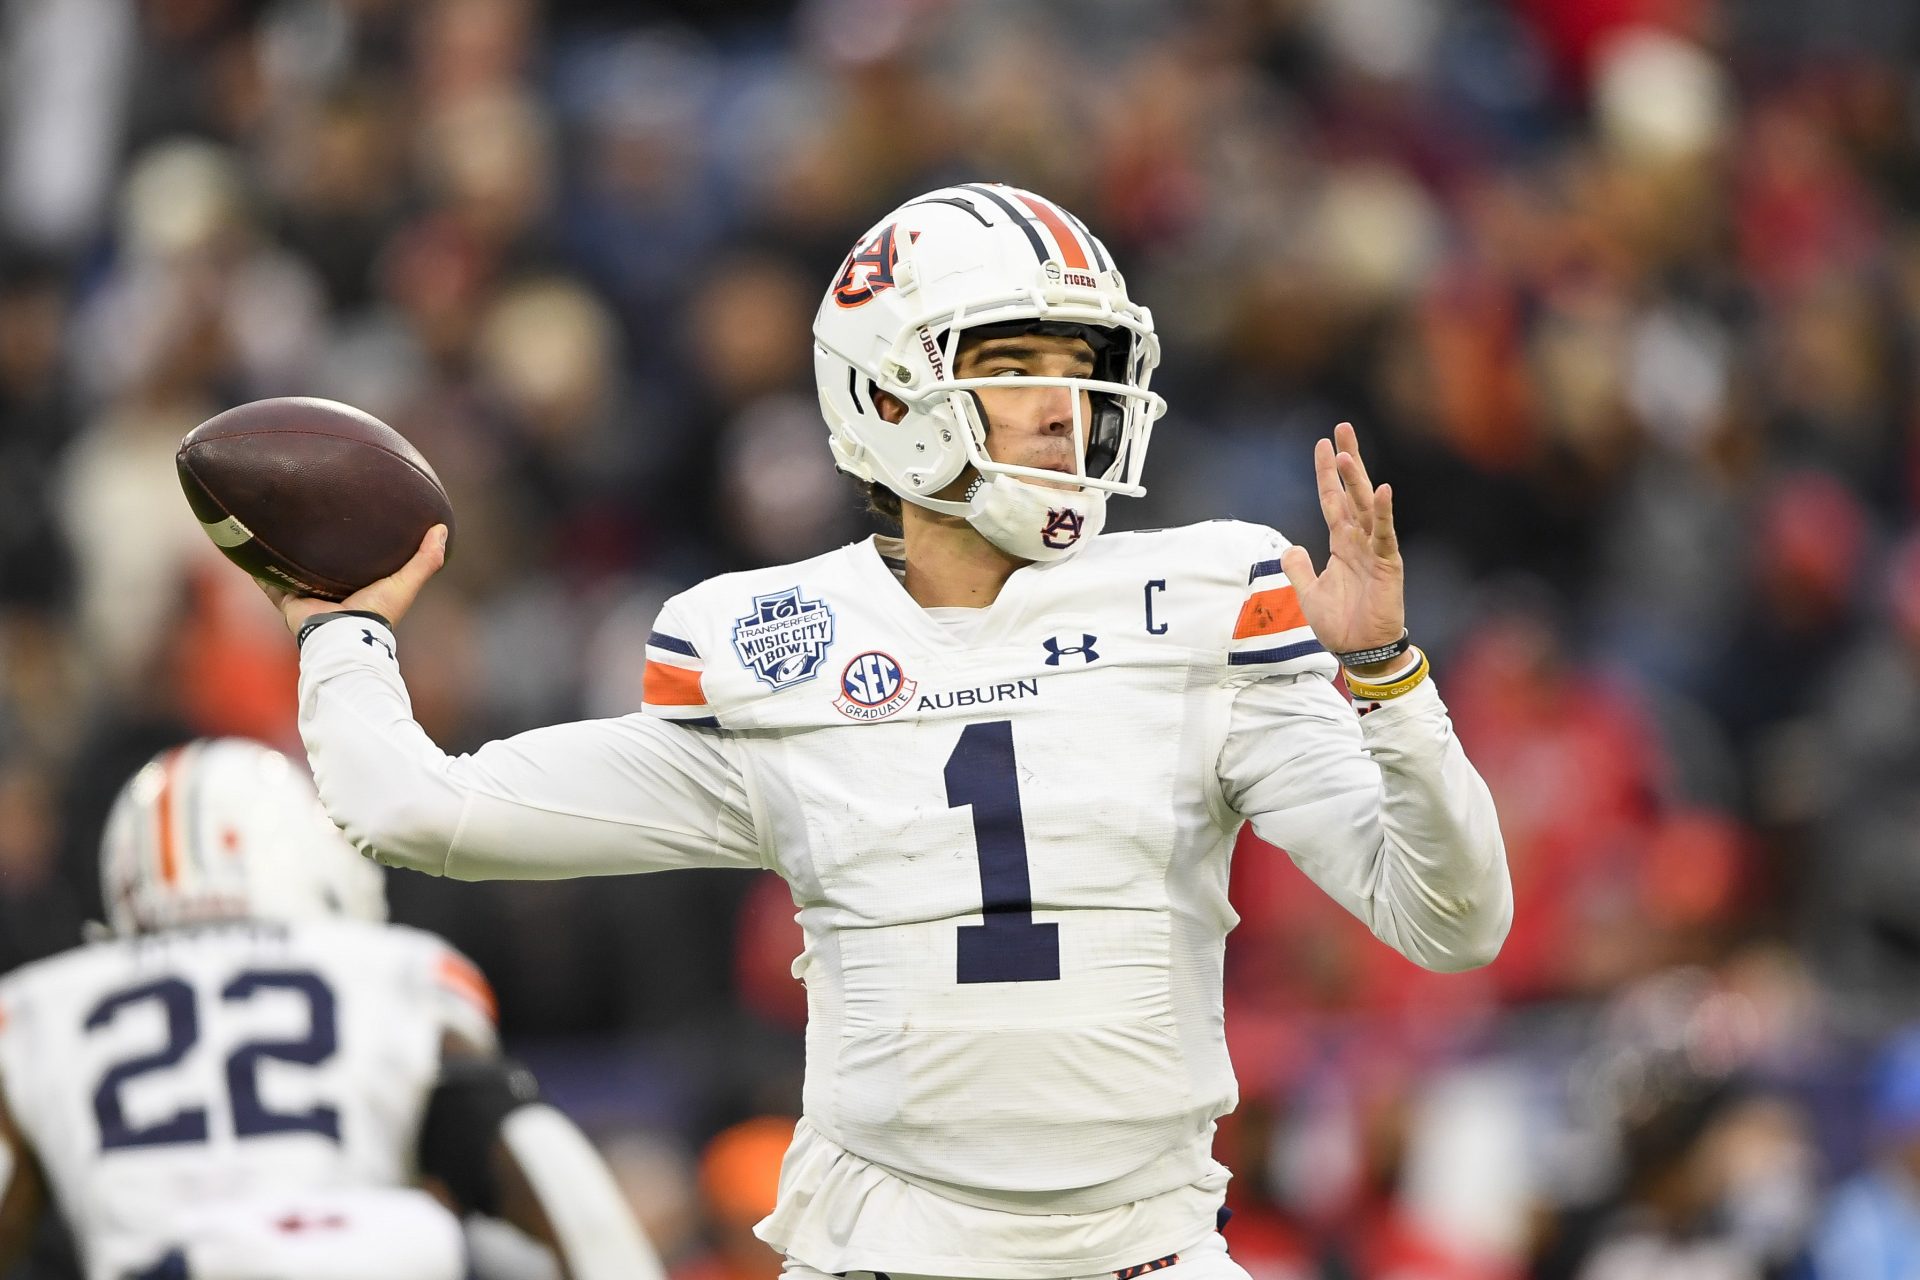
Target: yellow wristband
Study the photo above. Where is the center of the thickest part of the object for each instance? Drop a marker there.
(1365, 692)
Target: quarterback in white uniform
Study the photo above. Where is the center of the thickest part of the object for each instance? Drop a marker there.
(1001, 762)
(247, 1079)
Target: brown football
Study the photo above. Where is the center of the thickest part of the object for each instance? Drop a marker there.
(310, 494)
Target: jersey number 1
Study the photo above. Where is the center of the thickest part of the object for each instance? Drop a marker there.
(1008, 946)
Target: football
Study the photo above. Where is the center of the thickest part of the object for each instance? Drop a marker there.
(311, 495)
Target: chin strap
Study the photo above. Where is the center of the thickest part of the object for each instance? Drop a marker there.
(1034, 522)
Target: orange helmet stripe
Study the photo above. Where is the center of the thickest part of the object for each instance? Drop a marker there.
(163, 815)
(1072, 252)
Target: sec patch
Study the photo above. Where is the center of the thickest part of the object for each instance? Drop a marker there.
(872, 687)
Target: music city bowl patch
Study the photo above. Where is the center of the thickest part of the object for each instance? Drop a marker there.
(783, 640)
(872, 687)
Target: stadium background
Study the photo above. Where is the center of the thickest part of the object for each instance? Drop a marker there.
(1623, 294)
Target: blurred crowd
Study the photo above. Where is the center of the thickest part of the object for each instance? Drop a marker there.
(1624, 296)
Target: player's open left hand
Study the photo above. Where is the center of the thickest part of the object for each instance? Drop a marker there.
(1358, 601)
(390, 597)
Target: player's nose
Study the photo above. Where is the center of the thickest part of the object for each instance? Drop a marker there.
(1056, 410)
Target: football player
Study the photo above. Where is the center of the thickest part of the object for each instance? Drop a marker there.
(250, 1073)
(1000, 760)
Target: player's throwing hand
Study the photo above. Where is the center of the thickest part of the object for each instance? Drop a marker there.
(1358, 601)
(390, 597)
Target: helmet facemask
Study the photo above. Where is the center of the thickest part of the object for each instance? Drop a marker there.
(1032, 513)
(970, 279)
(1110, 428)
(1099, 434)
(1013, 506)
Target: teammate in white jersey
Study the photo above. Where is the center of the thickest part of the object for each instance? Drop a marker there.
(246, 1080)
(1001, 762)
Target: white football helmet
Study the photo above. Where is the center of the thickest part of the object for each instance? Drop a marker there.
(224, 829)
(970, 257)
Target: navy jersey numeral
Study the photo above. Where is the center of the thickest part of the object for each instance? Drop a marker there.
(251, 1117)
(175, 999)
(1008, 946)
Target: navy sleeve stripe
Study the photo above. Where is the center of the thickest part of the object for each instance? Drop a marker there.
(703, 722)
(1263, 569)
(672, 644)
(1285, 651)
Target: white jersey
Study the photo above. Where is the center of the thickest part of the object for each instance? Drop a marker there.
(1009, 851)
(155, 1076)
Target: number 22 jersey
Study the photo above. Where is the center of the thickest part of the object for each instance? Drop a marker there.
(160, 1074)
(1008, 842)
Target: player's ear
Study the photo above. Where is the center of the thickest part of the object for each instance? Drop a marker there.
(892, 408)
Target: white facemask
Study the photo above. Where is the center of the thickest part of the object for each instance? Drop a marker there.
(1034, 522)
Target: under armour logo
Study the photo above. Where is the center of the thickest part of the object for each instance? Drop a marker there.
(1063, 529)
(1057, 651)
(368, 638)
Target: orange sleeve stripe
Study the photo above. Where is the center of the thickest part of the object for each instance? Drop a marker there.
(666, 686)
(1269, 612)
(458, 975)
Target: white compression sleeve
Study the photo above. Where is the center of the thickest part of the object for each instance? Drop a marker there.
(1385, 814)
(594, 797)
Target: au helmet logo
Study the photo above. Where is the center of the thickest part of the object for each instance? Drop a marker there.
(784, 638)
(869, 269)
(872, 687)
(1063, 528)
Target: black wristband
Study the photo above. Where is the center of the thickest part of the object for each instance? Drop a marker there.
(1380, 653)
(472, 1099)
(321, 619)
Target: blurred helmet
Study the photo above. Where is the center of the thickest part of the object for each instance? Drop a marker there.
(967, 259)
(225, 829)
